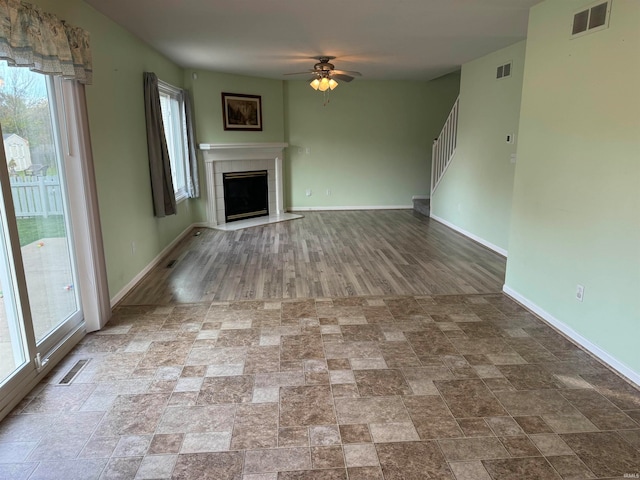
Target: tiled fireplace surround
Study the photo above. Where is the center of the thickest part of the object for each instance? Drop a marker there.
(222, 158)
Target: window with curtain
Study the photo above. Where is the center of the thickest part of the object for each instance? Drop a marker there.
(175, 132)
(171, 143)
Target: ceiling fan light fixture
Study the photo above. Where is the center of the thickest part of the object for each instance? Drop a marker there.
(323, 73)
(324, 84)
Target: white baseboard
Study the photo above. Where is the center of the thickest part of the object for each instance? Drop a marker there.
(421, 197)
(158, 258)
(603, 355)
(360, 207)
(473, 237)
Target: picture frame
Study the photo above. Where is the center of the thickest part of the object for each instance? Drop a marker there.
(241, 112)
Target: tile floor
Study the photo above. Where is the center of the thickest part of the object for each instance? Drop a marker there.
(466, 387)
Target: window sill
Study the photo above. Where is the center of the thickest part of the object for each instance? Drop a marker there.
(181, 197)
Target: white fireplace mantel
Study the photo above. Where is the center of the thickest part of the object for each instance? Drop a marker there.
(217, 152)
(236, 157)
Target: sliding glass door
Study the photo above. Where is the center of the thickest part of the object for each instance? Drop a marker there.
(14, 351)
(39, 299)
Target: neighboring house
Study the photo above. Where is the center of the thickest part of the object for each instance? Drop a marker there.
(16, 149)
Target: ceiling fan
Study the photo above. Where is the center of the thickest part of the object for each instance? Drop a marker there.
(325, 69)
(324, 75)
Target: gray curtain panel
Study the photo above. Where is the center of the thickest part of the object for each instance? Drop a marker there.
(193, 186)
(164, 199)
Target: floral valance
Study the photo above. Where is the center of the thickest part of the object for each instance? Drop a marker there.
(41, 41)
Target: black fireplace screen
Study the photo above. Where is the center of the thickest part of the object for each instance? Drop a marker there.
(246, 195)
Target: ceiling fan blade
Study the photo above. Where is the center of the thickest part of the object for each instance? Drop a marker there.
(324, 69)
(344, 78)
(347, 72)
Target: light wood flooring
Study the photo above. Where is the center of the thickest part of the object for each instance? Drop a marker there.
(324, 254)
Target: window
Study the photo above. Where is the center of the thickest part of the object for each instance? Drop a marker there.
(175, 132)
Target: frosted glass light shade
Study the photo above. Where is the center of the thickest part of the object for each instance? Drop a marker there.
(332, 84)
(324, 84)
(315, 83)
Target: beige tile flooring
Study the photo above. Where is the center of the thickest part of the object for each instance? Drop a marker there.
(465, 387)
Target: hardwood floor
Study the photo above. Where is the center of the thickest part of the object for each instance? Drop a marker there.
(324, 254)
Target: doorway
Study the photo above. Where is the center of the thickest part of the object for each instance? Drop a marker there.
(40, 297)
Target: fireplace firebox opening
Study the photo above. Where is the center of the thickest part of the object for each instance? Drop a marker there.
(246, 195)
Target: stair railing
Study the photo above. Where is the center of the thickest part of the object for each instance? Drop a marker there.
(444, 147)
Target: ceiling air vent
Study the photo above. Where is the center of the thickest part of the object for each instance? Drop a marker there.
(592, 19)
(503, 71)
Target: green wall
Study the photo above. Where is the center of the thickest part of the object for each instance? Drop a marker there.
(118, 137)
(576, 201)
(206, 90)
(475, 193)
(369, 146)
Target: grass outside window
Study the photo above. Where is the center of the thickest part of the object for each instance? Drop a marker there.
(32, 229)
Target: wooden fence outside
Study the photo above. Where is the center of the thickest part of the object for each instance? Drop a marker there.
(36, 196)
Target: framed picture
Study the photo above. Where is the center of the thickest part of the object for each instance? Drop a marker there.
(241, 112)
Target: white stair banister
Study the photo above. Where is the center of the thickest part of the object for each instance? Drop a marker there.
(444, 147)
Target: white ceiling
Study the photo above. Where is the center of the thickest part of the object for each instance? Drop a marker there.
(383, 39)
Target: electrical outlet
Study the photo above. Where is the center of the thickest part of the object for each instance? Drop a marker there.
(308, 192)
(580, 293)
(307, 150)
(328, 192)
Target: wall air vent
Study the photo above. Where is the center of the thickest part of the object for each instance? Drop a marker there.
(592, 19)
(503, 71)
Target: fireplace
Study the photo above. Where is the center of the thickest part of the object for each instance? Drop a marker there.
(223, 158)
(246, 195)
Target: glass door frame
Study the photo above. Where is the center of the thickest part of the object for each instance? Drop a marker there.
(17, 282)
(71, 323)
(75, 145)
